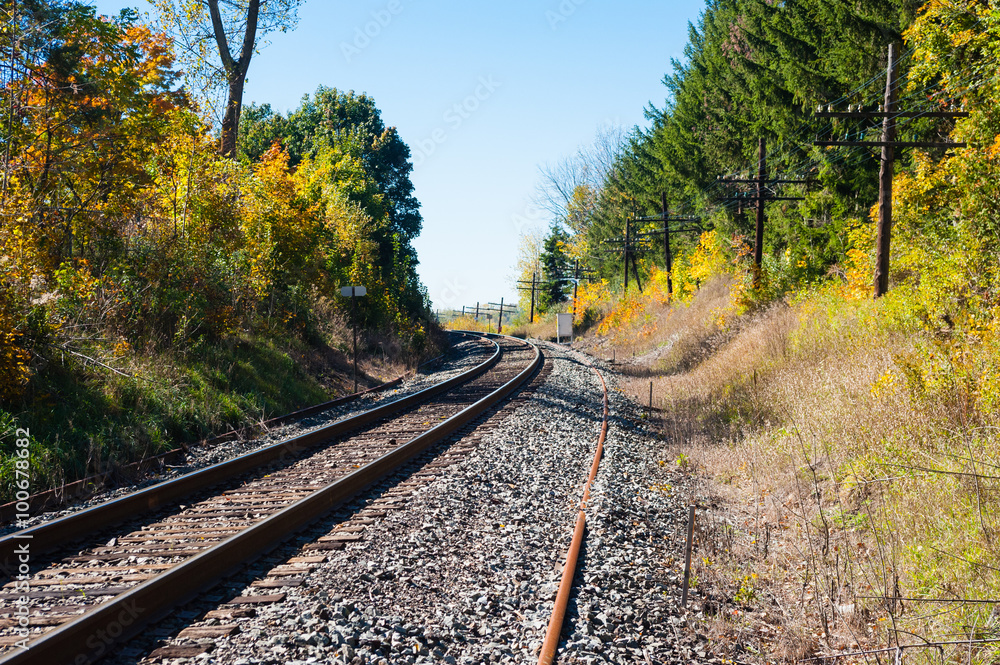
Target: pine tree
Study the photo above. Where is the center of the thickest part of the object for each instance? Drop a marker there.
(555, 267)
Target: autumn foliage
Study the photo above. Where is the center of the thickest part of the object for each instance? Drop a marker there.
(854, 438)
(122, 228)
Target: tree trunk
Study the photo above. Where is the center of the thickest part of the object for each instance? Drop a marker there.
(236, 71)
(231, 119)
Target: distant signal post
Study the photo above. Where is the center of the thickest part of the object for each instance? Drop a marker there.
(354, 292)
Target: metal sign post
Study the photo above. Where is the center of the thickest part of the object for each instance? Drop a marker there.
(354, 292)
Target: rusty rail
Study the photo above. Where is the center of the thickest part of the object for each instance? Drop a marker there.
(554, 631)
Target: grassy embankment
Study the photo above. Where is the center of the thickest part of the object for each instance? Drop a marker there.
(852, 458)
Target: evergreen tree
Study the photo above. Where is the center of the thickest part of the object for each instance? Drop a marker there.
(757, 69)
(555, 268)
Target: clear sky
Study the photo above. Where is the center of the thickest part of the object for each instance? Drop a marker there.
(483, 93)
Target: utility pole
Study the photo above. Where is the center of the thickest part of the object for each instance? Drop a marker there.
(763, 192)
(888, 114)
(576, 283)
(501, 310)
(758, 243)
(667, 257)
(628, 253)
(575, 278)
(533, 282)
(531, 317)
(628, 250)
(635, 268)
(885, 172)
(666, 218)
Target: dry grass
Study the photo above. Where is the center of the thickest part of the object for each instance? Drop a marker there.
(666, 339)
(835, 485)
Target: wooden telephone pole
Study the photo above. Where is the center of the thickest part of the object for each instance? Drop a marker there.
(668, 258)
(578, 273)
(501, 308)
(534, 283)
(763, 192)
(758, 242)
(888, 114)
(576, 284)
(629, 250)
(630, 255)
(666, 232)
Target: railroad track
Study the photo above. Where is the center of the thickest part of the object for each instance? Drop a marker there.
(145, 553)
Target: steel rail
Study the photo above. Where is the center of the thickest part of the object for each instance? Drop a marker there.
(86, 639)
(554, 631)
(61, 495)
(60, 532)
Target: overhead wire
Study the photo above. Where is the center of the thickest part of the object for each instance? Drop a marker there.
(796, 158)
(807, 163)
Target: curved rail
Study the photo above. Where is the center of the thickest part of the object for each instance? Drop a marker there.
(554, 631)
(58, 496)
(66, 529)
(126, 614)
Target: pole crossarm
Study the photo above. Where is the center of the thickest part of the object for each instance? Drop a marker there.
(568, 278)
(773, 181)
(899, 114)
(690, 229)
(656, 234)
(892, 144)
(668, 218)
(766, 197)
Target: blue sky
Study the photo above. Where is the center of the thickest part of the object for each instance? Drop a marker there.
(483, 93)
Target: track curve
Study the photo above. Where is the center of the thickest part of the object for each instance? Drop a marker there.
(174, 557)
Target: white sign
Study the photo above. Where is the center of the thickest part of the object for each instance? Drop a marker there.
(351, 291)
(564, 326)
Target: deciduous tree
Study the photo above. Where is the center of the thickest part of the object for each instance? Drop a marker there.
(218, 39)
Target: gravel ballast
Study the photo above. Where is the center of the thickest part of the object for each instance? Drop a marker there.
(467, 572)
